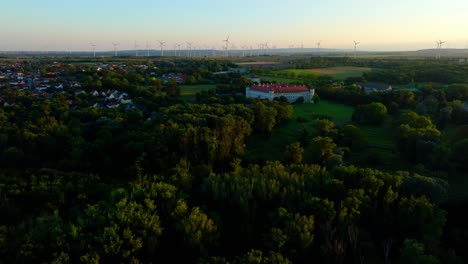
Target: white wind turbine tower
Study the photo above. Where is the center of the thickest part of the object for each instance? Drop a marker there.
(226, 47)
(94, 49)
(261, 47)
(178, 46)
(318, 45)
(136, 48)
(439, 47)
(189, 46)
(115, 44)
(161, 44)
(265, 46)
(243, 50)
(147, 49)
(355, 46)
(175, 50)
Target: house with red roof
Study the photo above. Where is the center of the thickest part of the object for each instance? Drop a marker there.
(270, 91)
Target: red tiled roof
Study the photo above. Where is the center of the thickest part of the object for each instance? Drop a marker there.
(279, 88)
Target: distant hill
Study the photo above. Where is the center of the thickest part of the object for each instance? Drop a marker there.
(452, 53)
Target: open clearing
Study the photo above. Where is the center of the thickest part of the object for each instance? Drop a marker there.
(188, 91)
(261, 147)
(339, 73)
(379, 138)
(268, 78)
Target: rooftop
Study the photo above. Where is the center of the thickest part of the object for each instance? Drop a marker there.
(279, 88)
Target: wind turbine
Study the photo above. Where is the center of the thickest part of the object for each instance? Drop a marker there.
(318, 45)
(189, 46)
(161, 44)
(147, 49)
(175, 50)
(115, 44)
(94, 48)
(355, 46)
(243, 50)
(261, 48)
(136, 48)
(226, 47)
(265, 45)
(439, 47)
(178, 46)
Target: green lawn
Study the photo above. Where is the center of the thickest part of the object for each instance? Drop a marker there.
(268, 78)
(338, 113)
(299, 75)
(380, 136)
(188, 91)
(271, 148)
(380, 139)
(338, 73)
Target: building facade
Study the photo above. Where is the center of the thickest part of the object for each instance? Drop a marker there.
(271, 91)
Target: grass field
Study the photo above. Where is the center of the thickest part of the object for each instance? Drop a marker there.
(381, 141)
(338, 73)
(271, 148)
(188, 91)
(268, 78)
(338, 113)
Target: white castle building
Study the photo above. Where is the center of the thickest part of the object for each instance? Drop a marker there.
(272, 91)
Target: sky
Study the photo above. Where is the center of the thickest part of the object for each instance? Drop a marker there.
(385, 25)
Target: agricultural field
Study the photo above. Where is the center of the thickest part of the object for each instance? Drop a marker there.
(338, 73)
(299, 75)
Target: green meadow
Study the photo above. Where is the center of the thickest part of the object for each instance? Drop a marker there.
(188, 92)
(338, 73)
(260, 146)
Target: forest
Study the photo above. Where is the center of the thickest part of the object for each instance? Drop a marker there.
(168, 181)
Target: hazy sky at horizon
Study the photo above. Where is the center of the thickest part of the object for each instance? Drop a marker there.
(378, 25)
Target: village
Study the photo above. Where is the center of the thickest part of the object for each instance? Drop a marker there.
(45, 81)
